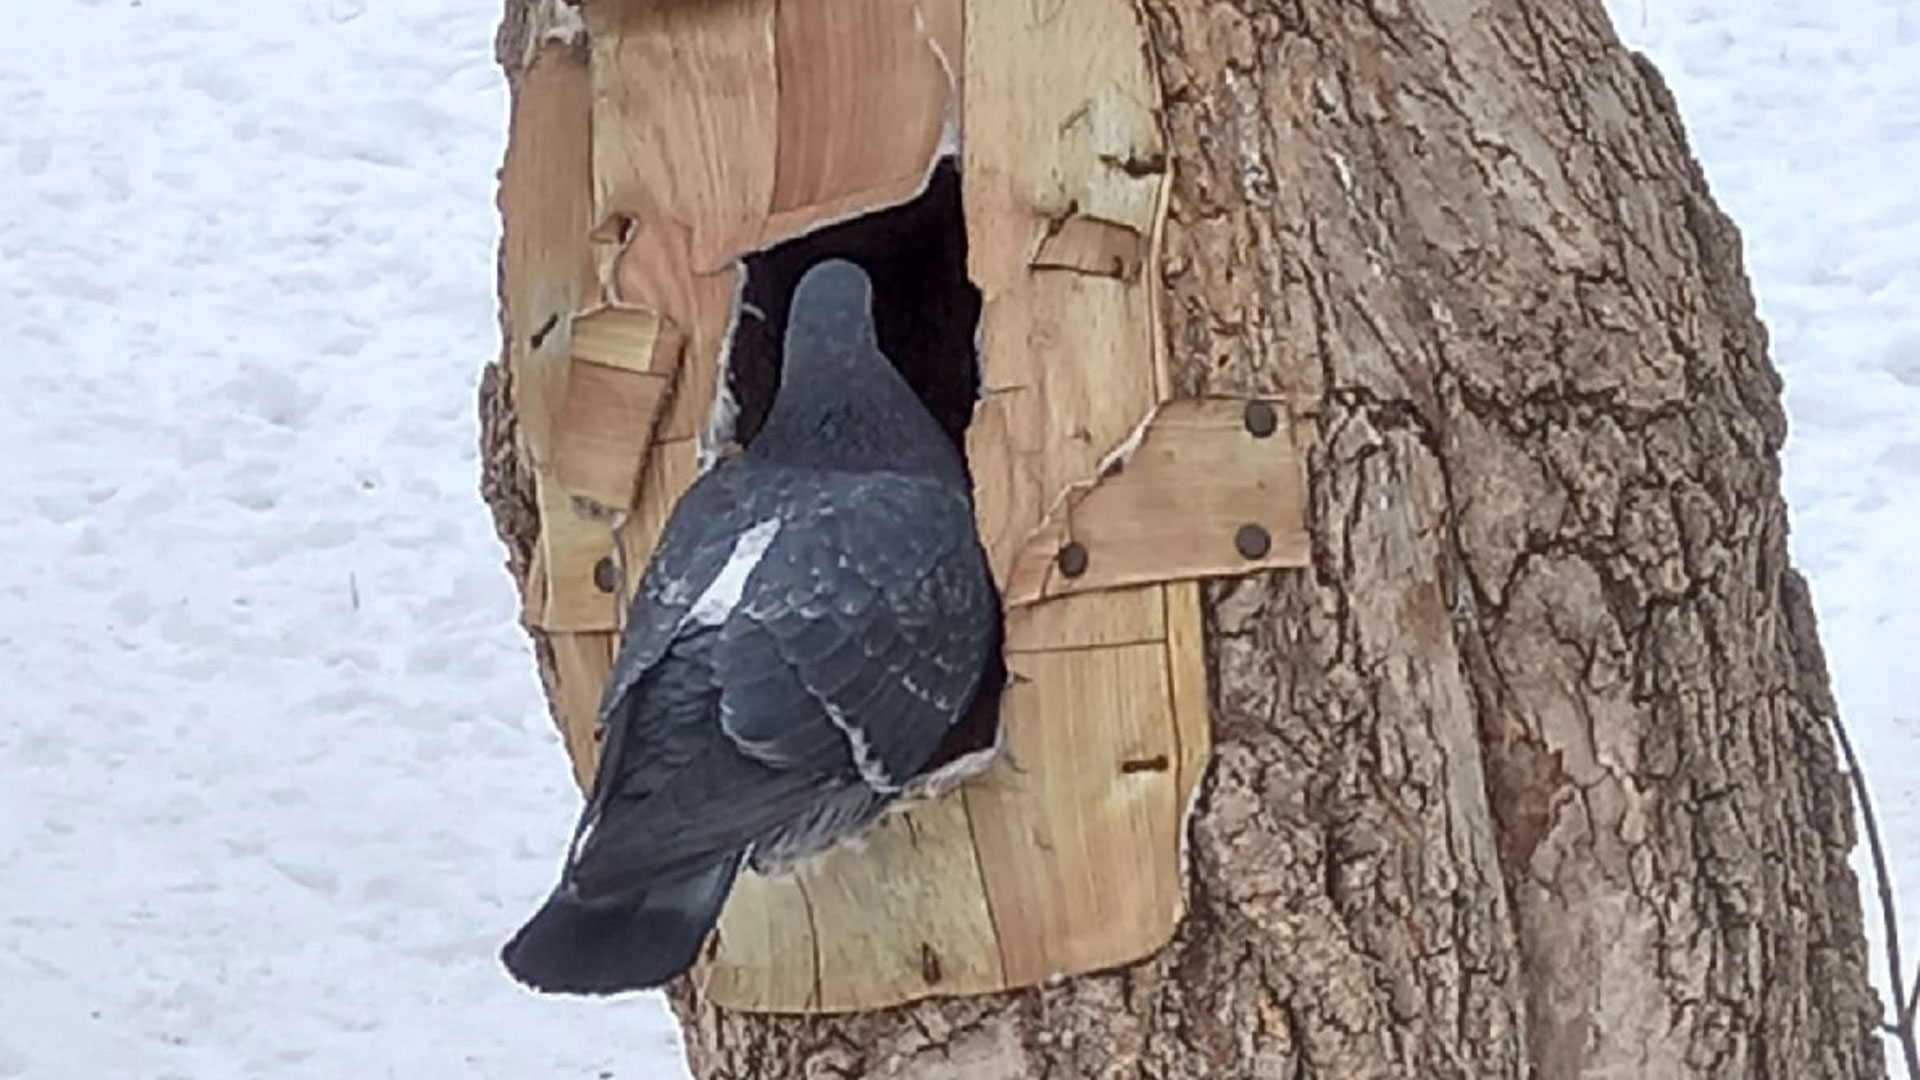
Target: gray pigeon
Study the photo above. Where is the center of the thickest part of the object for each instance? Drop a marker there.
(816, 618)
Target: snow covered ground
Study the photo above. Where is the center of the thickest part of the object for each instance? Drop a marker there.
(275, 776)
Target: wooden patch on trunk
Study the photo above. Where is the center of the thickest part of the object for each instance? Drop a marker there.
(721, 126)
(1207, 487)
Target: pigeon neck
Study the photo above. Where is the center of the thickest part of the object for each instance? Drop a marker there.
(855, 418)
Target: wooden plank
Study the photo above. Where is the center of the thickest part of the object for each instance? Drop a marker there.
(1079, 845)
(573, 543)
(601, 435)
(765, 955)
(1072, 381)
(1060, 125)
(686, 118)
(907, 916)
(1171, 503)
(546, 210)
(729, 122)
(581, 664)
(733, 125)
(1064, 174)
(1119, 617)
(632, 339)
(863, 96)
(900, 917)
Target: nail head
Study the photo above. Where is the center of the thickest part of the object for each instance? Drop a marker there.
(1252, 541)
(1261, 419)
(606, 576)
(1073, 559)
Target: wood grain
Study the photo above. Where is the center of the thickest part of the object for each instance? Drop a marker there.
(581, 664)
(546, 211)
(602, 433)
(863, 95)
(1078, 837)
(573, 541)
(1169, 505)
(720, 126)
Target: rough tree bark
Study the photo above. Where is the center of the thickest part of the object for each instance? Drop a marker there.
(1529, 775)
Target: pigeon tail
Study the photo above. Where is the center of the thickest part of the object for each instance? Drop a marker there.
(571, 946)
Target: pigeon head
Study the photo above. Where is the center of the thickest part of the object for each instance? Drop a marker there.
(841, 402)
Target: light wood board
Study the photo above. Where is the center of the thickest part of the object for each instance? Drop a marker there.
(687, 135)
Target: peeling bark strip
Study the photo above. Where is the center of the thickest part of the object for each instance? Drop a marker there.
(1527, 775)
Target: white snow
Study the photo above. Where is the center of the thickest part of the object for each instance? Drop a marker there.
(275, 774)
(276, 779)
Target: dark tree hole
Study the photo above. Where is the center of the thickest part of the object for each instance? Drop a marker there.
(926, 311)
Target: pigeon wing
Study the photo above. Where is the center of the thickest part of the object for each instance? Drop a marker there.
(861, 641)
(658, 710)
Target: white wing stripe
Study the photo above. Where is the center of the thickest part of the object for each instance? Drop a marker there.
(723, 594)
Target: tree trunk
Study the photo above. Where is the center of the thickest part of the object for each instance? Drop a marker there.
(1529, 774)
